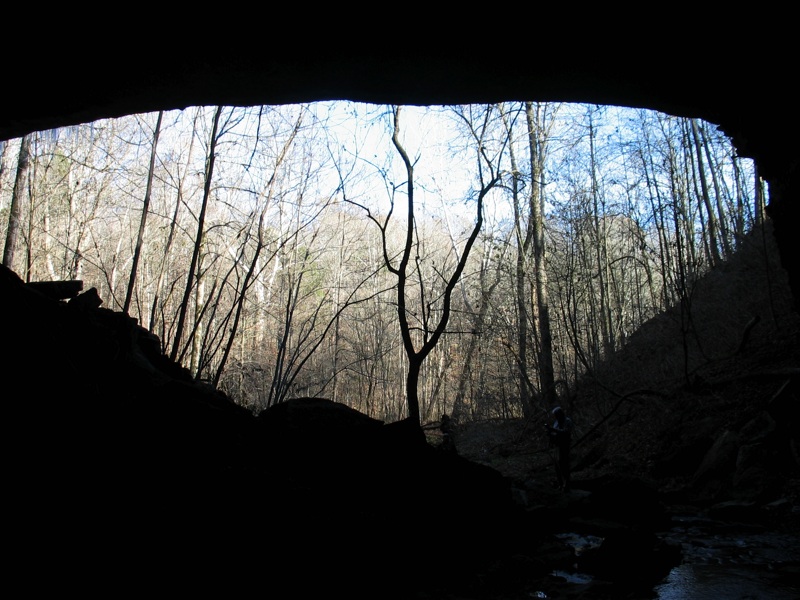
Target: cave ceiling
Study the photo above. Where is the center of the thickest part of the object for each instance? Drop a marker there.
(745, 92)
(742, 83)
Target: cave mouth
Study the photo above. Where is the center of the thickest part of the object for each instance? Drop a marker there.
(281, 172)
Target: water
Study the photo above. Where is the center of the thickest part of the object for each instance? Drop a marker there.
(731, 563)
(720, 561)
(718, 582)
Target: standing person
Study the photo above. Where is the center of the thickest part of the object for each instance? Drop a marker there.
(446, 427)
(560, 433)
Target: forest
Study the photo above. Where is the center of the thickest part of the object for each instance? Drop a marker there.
(472, 260)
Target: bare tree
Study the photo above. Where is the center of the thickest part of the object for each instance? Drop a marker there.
(432, 330)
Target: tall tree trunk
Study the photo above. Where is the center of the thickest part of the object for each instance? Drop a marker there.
(601, 251)
(713, 167)
(145, 209)
(478, 324)
(239, 301)
(12, 233)
(197, 333)
(760, 202)
(742, 216)
(3, 150)
(656, 206)
(523, 243)
(681, 199)
(701, 175)
(335, 342)
(162, 269)
(536, 142)
(198, 242)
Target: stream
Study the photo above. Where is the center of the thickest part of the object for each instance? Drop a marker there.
(734, 561)
(721, 561)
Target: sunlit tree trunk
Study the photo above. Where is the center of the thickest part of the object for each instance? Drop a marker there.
(3, 153)
(196, 342)
(656, 208)
(523, 232)
(760, 200)
(192, 276)
(163, 266)
(12, 232)
(744, 215)
(537, 141)
(713, 168)
(241, 295)
(143, 222)
(713, 227)
(683, 177)
(601, 251)
(337, 302)
(470, 355)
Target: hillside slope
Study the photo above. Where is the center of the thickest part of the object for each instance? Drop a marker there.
(702, 401)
